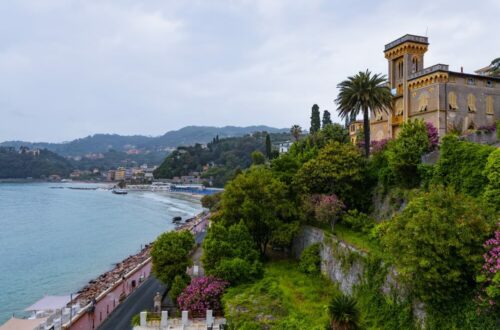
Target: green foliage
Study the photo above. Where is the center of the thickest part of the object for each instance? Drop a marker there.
(258, 158)
(344, 313)
(260, 200)
(23, 164)
(461, 165)
(310, 259)
(333, 132)
(225, 156)
(170, 254)
(283, 235)
(269, 148)
(327, 120)
(338, 169)
(179, 283)
(315, 119)
(492, 173)
(212, 201)
(436, 243)
(358, 221)
(404, 154)
(498, 129)
(229, 253)
(136, 320)
(380, 311)
(283, 299)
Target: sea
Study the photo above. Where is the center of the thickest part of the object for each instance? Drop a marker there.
(54, 239)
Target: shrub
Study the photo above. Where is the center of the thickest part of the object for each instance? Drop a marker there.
(202, 294)
(211, 202)
(344, 313)
(404, 153)
(229, 253)
(490, 273)
(170, 254)
(310, 259)
(492, 173)
(358, 221)
(461, 165)
(436, 243)
(498, 129)
(179, 283)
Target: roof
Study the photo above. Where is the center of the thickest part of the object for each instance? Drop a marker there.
(22, 324)
(49, 303)
(407, 38)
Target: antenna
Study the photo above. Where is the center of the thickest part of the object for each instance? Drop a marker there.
(426, 30)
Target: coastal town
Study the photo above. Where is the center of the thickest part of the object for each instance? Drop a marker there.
(249, 165)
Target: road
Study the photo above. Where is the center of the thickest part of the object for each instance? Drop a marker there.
(139, 300)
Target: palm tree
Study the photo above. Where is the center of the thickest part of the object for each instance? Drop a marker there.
(296, 130)
(362, 93)
(343, 312)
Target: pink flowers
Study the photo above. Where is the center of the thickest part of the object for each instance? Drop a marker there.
(432, 133)
(489, 277)
(203, 293)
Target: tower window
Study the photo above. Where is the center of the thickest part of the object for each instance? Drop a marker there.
(471, 81)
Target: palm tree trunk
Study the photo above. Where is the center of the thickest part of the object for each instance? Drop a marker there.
(366, 131)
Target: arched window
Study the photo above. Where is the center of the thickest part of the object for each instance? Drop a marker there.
(414, 64)
(423, 102)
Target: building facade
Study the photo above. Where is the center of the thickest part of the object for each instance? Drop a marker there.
(447, 99)
(355, 129)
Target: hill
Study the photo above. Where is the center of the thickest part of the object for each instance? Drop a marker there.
(219, 160)
(140, 144)
(35, 163)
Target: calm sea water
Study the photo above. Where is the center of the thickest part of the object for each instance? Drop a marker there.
(53, 241)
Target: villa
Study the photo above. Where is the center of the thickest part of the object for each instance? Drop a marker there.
(447, 99)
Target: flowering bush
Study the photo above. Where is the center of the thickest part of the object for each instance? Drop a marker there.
(379, 145)
(327, 208)
(432, 133)
(490, 274)
(202, 294)
(487, 128)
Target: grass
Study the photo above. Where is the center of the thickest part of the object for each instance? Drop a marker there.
(283, 299)
(361, 241)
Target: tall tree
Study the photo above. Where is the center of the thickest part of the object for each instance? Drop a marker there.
(362, 93)
(268, 146)
(327, 120)
(315, 119)
(296, 130)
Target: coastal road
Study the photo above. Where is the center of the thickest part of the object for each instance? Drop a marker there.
(139, 300)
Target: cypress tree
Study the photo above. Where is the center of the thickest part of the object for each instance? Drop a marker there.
(268, 146)
(327, 120)
(315, 120)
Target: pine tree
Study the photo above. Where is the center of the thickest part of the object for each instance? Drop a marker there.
(268, 146)
(327, 120)
(315, 120)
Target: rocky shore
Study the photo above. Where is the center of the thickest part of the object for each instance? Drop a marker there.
(109, 278)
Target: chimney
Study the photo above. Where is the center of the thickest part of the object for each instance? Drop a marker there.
(461, 69)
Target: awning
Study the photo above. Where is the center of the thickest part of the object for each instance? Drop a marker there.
(22, 324)
(50, 303)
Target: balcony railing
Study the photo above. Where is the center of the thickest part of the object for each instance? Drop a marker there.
(434, 68)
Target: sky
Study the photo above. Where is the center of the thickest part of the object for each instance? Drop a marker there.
(73, 68)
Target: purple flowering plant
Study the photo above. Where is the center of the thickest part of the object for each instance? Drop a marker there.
(202, 294)
(490, 273)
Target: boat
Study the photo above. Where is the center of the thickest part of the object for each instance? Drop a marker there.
(120, 191)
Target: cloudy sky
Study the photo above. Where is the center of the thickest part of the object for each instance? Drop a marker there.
(69, 69)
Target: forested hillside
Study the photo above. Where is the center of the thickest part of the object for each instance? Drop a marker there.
(26, 163)
(223, 156)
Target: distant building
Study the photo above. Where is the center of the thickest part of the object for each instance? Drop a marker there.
(120, 174)
(111, 175)
(285, 146)
(355, 128)
(447, 99)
